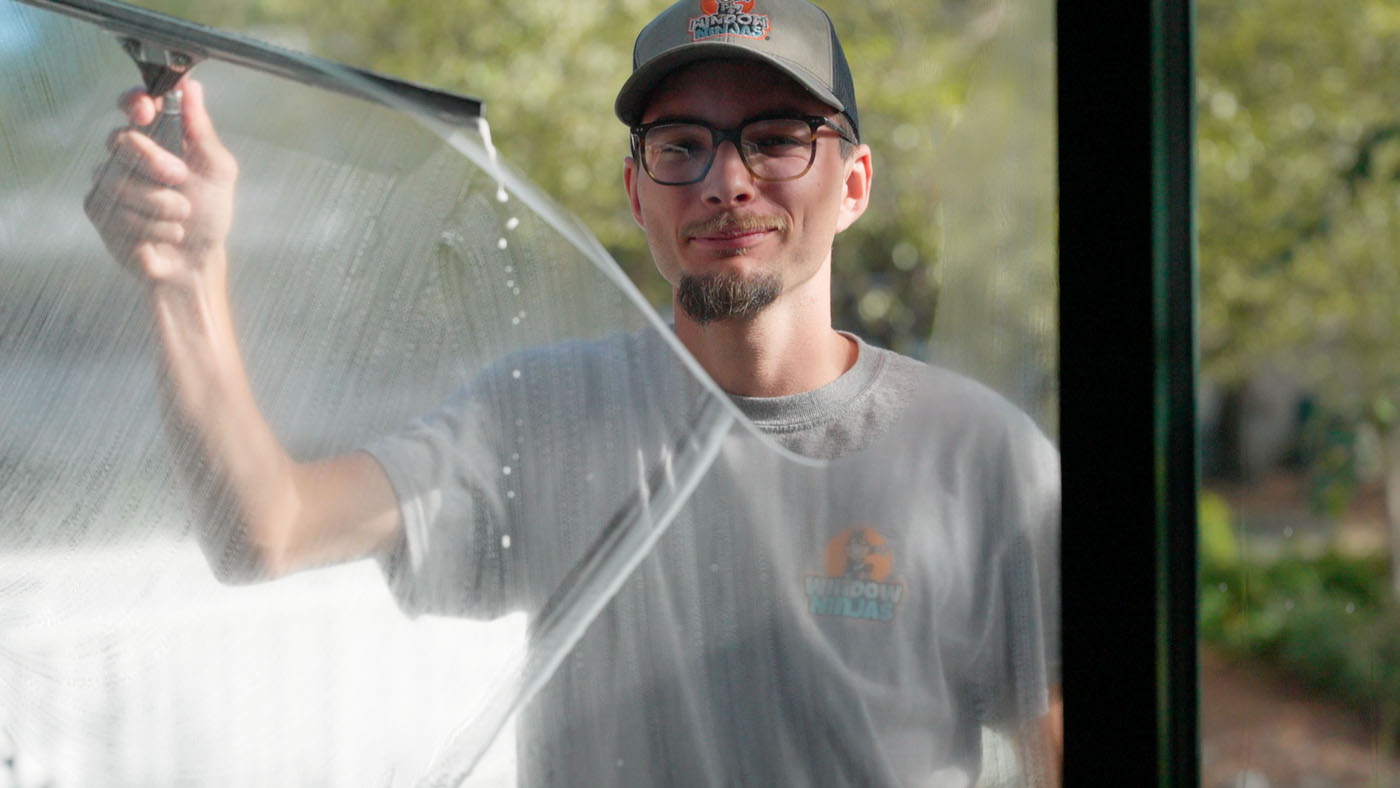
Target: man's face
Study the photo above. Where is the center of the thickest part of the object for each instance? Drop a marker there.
(730, 226)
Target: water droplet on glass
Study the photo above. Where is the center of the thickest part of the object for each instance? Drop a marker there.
(505, 541)
(515, 321)
(515, 373)
(516, 291)
(512, 223)
(510, 493)
(502, 243)
(515, 455)
(505, 469)
(510, 283)
(1351, 608)
(1288, 532)
(509, 269)
(484, 129)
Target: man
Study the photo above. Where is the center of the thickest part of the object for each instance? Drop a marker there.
(875, 612)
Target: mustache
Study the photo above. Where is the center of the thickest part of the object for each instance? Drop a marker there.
(730, 222)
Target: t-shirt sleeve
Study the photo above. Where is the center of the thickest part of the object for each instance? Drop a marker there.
(451, 557)
(1023, 659)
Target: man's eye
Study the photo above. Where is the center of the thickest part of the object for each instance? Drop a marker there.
(771, 141)
(678, 150)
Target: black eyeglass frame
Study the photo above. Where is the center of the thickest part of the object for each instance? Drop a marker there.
(734, 135)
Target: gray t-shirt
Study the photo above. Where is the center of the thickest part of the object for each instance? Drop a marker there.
(846, 415)
(850, 622)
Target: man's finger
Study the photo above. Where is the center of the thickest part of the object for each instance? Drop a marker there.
(122, 228)
(203, 149)
(140, 196)
(136, 153)
(140, 107)
(199, 128)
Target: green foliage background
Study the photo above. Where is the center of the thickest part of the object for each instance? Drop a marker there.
(956, 99)
(1299, 157)
(1329, 622)
(1298, 142)
(1299, 183)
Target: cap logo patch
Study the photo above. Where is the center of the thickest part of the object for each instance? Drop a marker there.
(728, 18)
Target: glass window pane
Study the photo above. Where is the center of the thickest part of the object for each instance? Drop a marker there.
(600, 561)
(1298, 214)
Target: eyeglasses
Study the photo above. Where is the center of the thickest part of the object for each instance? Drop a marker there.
(773, 148)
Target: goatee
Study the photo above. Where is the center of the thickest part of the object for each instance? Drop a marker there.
(726, 296)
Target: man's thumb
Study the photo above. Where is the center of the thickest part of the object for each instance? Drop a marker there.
(200, 138)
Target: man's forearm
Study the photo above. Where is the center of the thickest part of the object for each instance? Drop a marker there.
(242, 473)
(267, 513)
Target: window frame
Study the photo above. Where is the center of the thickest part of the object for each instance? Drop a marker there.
(1127, 268)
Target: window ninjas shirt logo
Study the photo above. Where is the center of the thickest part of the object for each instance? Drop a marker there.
(856, 583)
(728, 18)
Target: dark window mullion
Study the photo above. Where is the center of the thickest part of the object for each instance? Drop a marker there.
(1127, 290)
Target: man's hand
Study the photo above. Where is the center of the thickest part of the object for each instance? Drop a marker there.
(164, 218)
(1042, 745)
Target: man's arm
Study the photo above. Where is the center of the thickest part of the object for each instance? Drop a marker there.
(167, 221)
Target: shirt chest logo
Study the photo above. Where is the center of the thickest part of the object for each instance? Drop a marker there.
(857, 580)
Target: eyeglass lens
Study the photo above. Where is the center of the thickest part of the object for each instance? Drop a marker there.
(772, 149)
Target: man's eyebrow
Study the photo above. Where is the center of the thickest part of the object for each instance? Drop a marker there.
(679, 119)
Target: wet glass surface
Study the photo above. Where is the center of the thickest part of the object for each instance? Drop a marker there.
(603, 565)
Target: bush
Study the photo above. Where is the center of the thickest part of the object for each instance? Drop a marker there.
(1330, 622)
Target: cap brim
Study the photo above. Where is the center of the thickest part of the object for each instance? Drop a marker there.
(632, 99)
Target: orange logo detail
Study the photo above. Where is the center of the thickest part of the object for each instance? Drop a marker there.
(857, 582)
(859, 553)
(712, 6)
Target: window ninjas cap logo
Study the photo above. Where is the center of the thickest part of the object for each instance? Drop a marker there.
(728, 18)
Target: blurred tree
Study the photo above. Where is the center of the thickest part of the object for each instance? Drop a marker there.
(1299, 156)
(956, 99)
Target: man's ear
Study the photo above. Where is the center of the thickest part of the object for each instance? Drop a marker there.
(630, 177)
(855, 194)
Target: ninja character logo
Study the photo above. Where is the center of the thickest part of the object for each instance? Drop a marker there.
(859, 551)
(728, 18)
(856, 581)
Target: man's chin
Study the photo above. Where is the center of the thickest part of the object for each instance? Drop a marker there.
(711, 298)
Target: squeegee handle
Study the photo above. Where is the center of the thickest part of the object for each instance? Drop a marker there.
(168, 129)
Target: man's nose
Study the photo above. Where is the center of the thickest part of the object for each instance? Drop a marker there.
(729, 181)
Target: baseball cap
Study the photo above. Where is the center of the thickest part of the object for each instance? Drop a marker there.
(793, 36)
